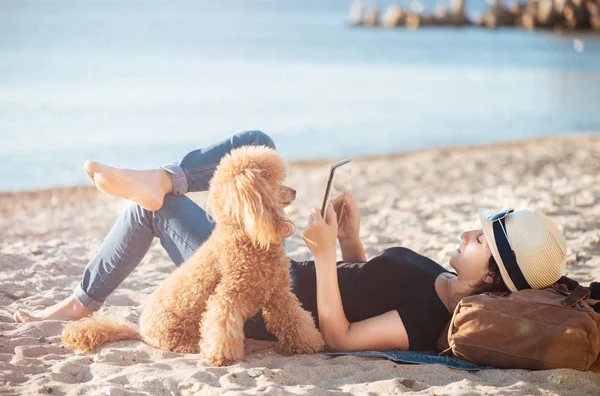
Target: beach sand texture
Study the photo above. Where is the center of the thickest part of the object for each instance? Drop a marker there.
(419, 200)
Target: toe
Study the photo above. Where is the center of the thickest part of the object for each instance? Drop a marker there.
(22, 317)
(88, 166)
(25, 317)
(92, 166)
(90, 176)
(17, 317)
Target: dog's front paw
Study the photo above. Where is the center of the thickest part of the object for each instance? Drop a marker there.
(219, 361)
(310, 342)
(222, 354)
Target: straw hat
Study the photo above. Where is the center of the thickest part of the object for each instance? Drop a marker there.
(539, 247)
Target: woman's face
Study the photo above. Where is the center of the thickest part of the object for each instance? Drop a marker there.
(470, 261)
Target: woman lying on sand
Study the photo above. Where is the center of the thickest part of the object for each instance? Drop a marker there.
(396, 300)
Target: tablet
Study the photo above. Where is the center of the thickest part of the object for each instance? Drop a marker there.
(338, 183)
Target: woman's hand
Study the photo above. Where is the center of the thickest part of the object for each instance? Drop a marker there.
(320, 234)
(349, 225)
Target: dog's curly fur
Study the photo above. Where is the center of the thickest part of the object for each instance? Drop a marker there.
(202, 306)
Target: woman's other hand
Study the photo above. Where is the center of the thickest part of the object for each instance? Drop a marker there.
(349, 225)
(320, 234)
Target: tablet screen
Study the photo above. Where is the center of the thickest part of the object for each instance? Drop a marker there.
(337, 185)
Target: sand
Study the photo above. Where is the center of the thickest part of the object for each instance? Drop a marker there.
(419, 200)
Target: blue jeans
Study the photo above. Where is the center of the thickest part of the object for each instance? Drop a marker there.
(181, 225)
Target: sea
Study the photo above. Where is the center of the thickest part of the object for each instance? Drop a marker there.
(137, 84)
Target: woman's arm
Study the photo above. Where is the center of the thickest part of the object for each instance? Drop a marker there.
(320, 237)
(333, 322)
(380, 333)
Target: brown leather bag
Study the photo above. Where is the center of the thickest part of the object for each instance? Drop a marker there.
(530, 329)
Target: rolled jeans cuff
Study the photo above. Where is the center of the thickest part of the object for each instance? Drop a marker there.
(84, 299)
(178, 179)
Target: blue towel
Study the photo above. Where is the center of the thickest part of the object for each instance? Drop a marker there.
(420, 357)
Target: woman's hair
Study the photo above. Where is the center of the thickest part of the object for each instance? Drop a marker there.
(497, 284)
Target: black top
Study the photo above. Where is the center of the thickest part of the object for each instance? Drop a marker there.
(397, 279)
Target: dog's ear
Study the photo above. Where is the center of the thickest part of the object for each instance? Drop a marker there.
(255, 203)
(245, 192)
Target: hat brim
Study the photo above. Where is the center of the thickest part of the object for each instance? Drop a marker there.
(488, 232)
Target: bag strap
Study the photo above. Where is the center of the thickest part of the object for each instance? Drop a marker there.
(570, 284)
(578, 294)
(595, 289)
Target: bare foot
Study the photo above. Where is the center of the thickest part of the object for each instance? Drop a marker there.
(146, 188)
(68, 309)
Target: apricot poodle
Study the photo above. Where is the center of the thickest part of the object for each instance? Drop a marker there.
(202, 306)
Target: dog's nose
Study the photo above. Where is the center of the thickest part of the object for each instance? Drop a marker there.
(293, 192)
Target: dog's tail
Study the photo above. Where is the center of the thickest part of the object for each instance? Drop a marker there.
(89, 334)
